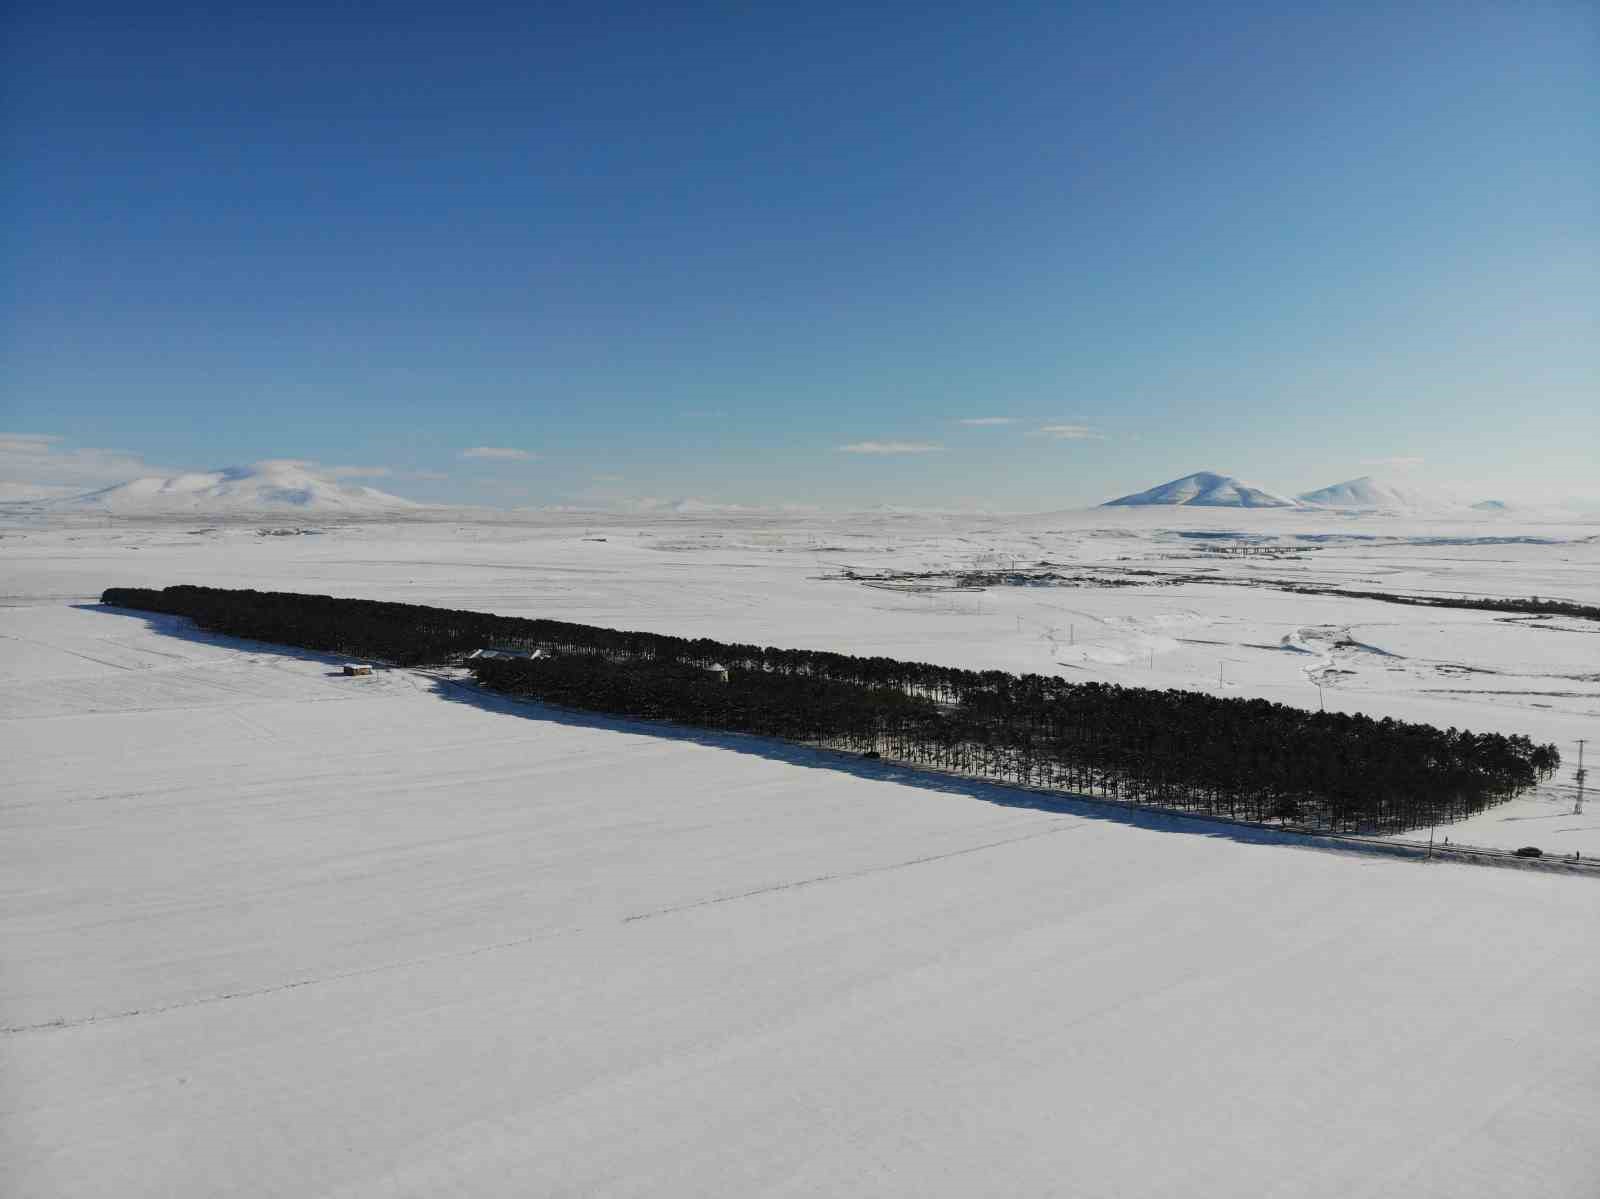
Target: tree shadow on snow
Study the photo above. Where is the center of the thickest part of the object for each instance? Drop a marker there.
(463, 690)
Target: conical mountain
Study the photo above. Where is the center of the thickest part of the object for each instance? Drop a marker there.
(1203, 489)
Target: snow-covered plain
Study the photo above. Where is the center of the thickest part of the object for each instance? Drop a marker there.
(271, 931)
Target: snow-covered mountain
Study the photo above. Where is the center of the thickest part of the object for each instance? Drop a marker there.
(1368, 492)
(263, 487)
(1204, 489)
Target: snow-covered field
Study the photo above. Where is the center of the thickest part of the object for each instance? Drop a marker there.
(271, 931)
(773, 580)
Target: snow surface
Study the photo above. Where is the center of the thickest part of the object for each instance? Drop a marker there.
(1203, 489)
(265, 486)
(272, 931)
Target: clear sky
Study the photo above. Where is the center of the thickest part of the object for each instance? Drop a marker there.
(694, 250)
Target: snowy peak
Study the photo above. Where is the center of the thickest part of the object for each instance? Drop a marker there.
(1368, 492)
(1204, 489)
(263, 487)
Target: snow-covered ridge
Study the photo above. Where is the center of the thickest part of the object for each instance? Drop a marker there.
(263, 486)
(1204, 489)
(1368, 492)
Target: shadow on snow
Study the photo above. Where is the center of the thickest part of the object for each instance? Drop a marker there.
(465, 691)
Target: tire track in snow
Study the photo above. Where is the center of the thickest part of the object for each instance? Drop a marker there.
(61, 649)
(1057, 826)
(62, 1024)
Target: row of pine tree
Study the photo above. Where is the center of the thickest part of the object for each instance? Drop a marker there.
(1245, 758)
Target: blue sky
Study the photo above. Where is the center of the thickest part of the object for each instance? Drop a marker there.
(695, 250)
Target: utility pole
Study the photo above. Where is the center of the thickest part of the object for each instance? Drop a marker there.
(1577, 808)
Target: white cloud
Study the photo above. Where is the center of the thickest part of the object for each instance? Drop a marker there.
(41, 460)
(988, 420)
(891, 447)
(498, 453)
(305, 464)
(1397, 463)
(26, 443)
(1069, 433)
(511, 489)
(13, 492)
(605, 478)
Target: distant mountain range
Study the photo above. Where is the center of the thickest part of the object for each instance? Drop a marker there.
(1207, 489)
(295, 487)
(264, 487)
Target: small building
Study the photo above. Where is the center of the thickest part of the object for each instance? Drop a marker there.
(718, 671)
(501, 653)
(354, 669)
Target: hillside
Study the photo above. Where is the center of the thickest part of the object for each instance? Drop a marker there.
(1370, 492)
(1203, 489)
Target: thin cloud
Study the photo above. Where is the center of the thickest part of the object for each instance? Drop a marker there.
(987, 420)
(1069, 433)
(26, 443)
(1400, 462)
(511, 487)
(14, 492)
(498, 453)
(42, 462)
(40, 459)
(305, 464)
(605, 478)
(891, 447)
(312, 467)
